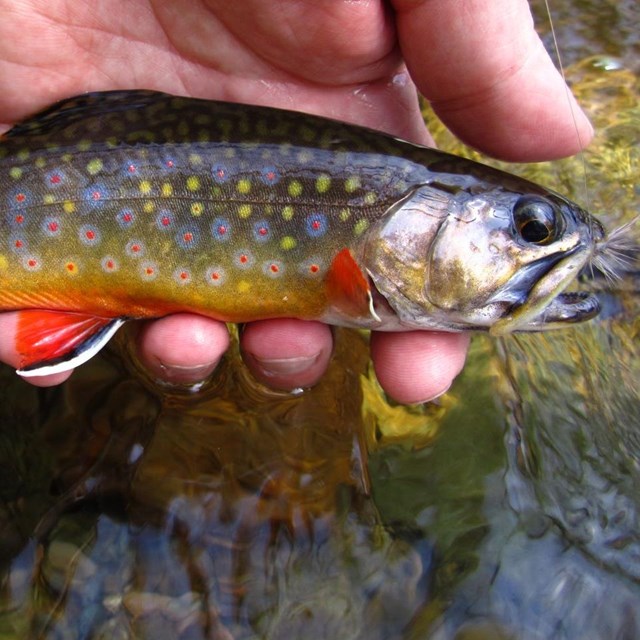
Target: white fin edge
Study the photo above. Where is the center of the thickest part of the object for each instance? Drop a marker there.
(101, 340)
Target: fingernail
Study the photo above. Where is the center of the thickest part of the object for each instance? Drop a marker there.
(184, 373)
(437, 395)
(284, 366)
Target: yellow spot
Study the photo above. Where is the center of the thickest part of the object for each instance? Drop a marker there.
(266, 154)
(370, 197)
(94, 166)
(23, 154)
(183, 128)
(287, 212)
(197, 208)
(361, 226)
(244, 210)
(69, 206)
(351, 184)
(145, 187)
(149, 206)
(67, 157)
(195, 158)
(112, 141)
(323, 183)
(70, 268)
(204, 135)
(244, 286)
(48, 198)
(243, 186)
(84, 145)
(15, 172)
(345, 214)
(229, 153)
(40, 162)
(288, 242)
(166, 189)
(4, 263)
(295, 188)
(193, 183)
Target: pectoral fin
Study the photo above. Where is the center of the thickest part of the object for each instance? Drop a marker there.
(54, 341)
(348, 288)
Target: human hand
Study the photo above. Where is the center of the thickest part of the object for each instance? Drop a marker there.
(478, 61)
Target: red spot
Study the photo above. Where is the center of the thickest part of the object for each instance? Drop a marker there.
(96, 195)
(314, 268)
(20, 197)
(169, 164)
(271, 176)
(19, 244)
(53, 226)
(32, 262)
(149, 271)
(110, 264)
(132, 168)
(166, 221)
(221, 173)
(263, 231)
(184, 275)
(135, 248)
(222, 230)
(90, 235)
(19, 219)
(70, 266)
(215, 276)
(315, 225)
(244, 259)
(127, 217)
(55, 179)
(274, 268)
(188, 237)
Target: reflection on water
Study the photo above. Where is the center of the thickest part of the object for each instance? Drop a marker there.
(509, 509)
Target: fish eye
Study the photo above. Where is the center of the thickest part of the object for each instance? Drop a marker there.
(537, 220)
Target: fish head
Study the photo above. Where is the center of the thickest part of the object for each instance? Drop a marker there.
(495, 259)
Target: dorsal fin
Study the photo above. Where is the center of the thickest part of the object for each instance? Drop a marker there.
(70, 111)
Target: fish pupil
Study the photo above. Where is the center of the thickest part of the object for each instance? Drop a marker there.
(536, 219)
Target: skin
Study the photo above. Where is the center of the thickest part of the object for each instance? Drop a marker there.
(478, 61)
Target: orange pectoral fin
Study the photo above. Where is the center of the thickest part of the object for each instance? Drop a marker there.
(53, 341)
(348, 288)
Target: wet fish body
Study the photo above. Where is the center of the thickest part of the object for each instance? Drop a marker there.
(123, 205)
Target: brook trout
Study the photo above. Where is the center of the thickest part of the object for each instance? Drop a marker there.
(137, 204)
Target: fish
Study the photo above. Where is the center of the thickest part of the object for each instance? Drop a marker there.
(125, 205)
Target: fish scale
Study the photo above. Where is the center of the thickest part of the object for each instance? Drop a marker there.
(140, 204)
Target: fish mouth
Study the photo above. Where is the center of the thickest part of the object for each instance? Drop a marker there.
(546, 305)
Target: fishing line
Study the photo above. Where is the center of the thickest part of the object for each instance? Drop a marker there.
(569, 100)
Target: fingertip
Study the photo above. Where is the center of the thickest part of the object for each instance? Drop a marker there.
(417, 366)
(287, 353)
(182, 348)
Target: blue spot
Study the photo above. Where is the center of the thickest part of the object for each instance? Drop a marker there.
(165, 220)
(18, 243)
(96, 195)
(316, 225)
(269, 175)
(19, 198)
(261, 231)
(89, 235)
(55, 178)
(187, 238)
(131, 168)
(221, 229)
(167, 162)
(16, 219)
(51, 226)
(125, 218)
(220, 173)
